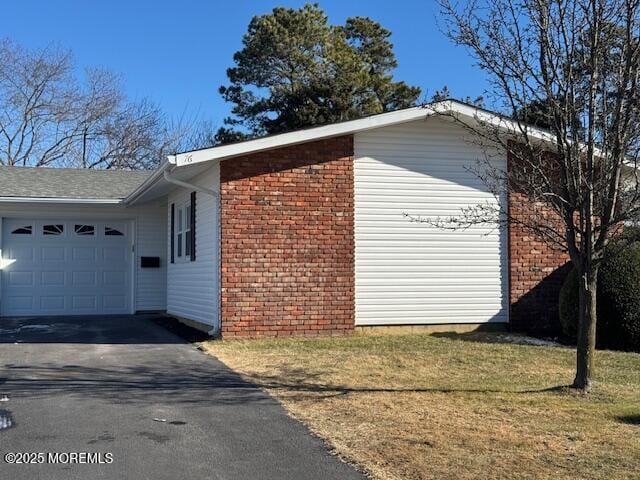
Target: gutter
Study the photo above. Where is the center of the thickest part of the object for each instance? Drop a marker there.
(164, 172)
(189, 186)
(150, 181)
(63, 200)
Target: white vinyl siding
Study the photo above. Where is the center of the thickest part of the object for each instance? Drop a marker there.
(193, 288)
(416, 273)
(149, 222)
(152, 282)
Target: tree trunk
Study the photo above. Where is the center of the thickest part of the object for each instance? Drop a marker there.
(586, 330)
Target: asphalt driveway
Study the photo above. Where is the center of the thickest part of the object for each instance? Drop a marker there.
(126, 386)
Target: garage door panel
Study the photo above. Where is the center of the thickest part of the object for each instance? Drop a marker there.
(52, 254)
(75, 269)
(52, 278)
(84, 279)
(84, 254)
(113, 254)
(413, 272)
(20, 303)
(21, 279)
(112, 302)
(25, 252)
(84, 302)
(114, 278)
(52, 303)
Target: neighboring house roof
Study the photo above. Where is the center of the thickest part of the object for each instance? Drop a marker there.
(29, 183)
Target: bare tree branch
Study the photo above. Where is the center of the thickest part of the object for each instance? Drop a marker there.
(580, 61)
(49, 117)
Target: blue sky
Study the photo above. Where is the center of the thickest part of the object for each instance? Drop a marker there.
(176, 52)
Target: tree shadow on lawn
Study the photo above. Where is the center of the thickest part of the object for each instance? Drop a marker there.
(508, 338)
(207, 383)
(304, 383)
(629, 419)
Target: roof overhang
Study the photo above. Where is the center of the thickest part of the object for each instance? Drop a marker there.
(450, 108)
(151, 180)
(157, 185)
(188, 164)
(224, 152)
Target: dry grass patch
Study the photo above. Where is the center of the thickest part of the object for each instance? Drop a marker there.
(458, 407)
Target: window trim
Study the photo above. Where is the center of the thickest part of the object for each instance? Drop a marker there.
(181, 243)
(179, 233)
(57, 231)
(187, 230)
(118, 231)
(192, 223)
(78, 230)
(173, 233)
(27, 230)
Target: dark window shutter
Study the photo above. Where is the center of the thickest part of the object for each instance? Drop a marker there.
(192, 224)
(173, 232)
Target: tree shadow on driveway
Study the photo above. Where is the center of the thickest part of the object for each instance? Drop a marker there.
(96, 329)
(211, 383)
(122, 359)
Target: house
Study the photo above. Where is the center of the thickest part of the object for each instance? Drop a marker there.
(297, 233)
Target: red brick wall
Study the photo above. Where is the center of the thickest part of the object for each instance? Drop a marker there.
(536, 271)
(287, 242)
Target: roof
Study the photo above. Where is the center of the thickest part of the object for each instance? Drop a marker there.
(118, 186)
(180, 163)
(68, 183)
(451, 108)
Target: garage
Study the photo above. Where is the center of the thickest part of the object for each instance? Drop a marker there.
(63, 267)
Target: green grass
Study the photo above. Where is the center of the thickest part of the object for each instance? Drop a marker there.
(454, 406)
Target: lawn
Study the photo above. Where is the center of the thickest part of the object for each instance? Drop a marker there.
(452, 407)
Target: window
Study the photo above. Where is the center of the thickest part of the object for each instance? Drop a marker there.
(26, 230)
(112, 232)
(180, 228)
(55, 229)
(183, 230)
(187, 231)
(84, 229)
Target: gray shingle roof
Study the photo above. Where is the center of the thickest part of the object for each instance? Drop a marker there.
(68, 182)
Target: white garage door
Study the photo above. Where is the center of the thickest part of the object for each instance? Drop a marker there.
(415, 273)
(56, 267)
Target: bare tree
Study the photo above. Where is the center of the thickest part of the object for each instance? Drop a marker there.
(580, 59)
(48, 117)
(192, 133)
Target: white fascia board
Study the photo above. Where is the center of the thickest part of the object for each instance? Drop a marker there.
(509, 127)
(446, 108)
(98, 201)
(300, 136)
(488, 119)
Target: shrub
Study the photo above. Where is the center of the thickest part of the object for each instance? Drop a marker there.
(619, 310)
(618, 301)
